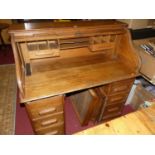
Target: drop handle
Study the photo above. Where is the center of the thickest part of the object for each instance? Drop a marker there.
(49, 122)
(121, 88)
(47, 111)
(113, 109)
(117, 98)
(78, 34)
(52, 133)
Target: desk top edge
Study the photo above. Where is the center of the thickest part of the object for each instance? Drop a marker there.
(73, 24)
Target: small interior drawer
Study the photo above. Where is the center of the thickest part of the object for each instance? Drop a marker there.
(41, 49)
(101, 46)
(44, 107)
(42, 45)
(48, 120)
(99, 43)
(56, 129)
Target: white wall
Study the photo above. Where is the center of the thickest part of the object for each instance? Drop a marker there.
(136, 23)
(5, 34)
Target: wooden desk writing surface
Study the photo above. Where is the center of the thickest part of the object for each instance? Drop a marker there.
(53, 59)
(140, 122)
(75, 78)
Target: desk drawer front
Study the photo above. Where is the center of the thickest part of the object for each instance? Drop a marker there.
(112, 110)
(40, 108)
(100, 47)
(56, 129)
(48, 120)
(43, 49)
(121, 86)
(46, 115)
(117, 87)
(117, 98)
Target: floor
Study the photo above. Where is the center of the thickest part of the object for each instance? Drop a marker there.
(23, 125)
(6, 55)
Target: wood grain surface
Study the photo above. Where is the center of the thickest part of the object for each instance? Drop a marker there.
(75, 66)
(140, 122)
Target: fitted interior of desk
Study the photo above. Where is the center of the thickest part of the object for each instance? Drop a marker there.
(50, 65)
(74, 71)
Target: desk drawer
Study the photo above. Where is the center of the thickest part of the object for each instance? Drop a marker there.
(117, 87)
(56, 129)
(44, 107)
(117, 98)
(112, 110)
(48, 120)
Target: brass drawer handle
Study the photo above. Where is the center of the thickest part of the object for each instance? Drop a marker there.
(117, 98)
(49, 122)
(113, 109)
(78, 34)
(52, 133)
(46, 111)
(120, 88)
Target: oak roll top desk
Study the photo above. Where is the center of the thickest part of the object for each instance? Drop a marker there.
(55, 59)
